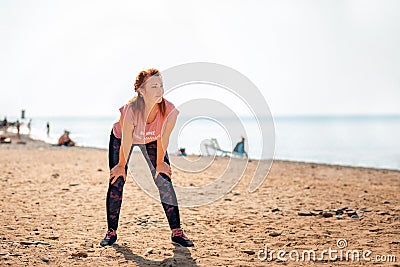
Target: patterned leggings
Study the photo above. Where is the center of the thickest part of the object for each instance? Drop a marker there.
(162, 181)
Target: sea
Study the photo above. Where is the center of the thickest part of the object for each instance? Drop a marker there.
(364, 141)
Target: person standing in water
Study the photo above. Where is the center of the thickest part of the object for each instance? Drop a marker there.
(147, 121)
(18, 124)
(48, 128)
(29, 126)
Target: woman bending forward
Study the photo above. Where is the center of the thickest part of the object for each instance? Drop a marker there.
(147, 121)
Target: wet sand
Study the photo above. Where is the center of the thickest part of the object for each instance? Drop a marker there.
(53, 213)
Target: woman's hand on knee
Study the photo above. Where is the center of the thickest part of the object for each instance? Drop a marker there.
(117, 172)
(164, 168)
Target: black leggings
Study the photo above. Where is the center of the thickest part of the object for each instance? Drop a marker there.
(162, 181)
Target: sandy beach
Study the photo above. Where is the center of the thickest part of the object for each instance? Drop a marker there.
(53, 213)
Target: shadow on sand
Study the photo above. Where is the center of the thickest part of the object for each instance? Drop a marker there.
(181, 257)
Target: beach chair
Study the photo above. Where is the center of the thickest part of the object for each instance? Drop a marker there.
(213, 145)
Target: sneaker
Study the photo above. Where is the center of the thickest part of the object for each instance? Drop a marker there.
(179, 238)
(109, 239)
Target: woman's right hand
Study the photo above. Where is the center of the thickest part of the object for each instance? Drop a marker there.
(163, 168)
(116, 172)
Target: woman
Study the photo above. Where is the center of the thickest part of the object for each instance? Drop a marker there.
(65, 140)
(147, 121)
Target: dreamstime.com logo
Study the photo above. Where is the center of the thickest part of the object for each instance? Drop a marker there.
(339, 253)
(186, 82)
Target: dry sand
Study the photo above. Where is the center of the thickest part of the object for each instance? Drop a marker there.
(54, 197)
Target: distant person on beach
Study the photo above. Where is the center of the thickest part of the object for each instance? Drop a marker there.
(29, 126)
(48, 129)
(65, 140)
(147, 121)
(5, 124)
(239, 149)
(18, 125)
(182, 152)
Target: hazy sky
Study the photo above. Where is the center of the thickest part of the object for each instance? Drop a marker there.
(306, 57)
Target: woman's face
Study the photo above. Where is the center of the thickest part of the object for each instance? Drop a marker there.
(153, 90)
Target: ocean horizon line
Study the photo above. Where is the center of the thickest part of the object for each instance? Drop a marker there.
(243, 116)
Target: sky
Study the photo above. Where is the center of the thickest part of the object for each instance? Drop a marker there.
(80, 58)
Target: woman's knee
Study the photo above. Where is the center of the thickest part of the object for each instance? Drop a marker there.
(119, 183)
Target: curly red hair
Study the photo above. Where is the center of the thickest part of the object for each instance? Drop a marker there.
(141, 78)
(144, 75)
